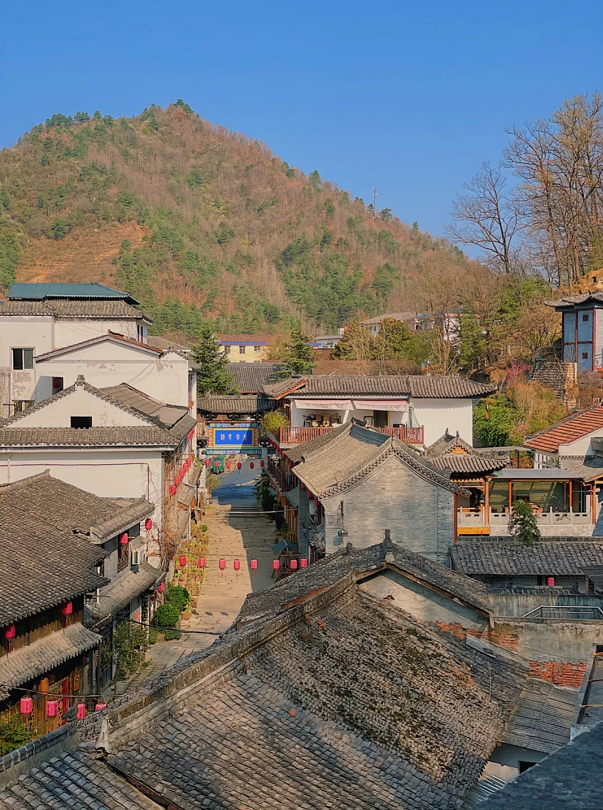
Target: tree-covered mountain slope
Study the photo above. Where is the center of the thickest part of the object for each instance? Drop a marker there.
(203, 224)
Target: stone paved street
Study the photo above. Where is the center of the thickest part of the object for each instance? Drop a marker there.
(236, 531)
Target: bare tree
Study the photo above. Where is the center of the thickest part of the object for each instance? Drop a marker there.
(487, 217)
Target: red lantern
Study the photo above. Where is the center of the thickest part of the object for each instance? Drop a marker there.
(303, 486)
(52, 708)
(201, 562)
(261, 462)
(172, 489)
(303, 562)
(26, 705)
(182, 561)
(99, 707)
(123, 539)
(251, 465)
(239, 465)
(207, 462)
(161, 587)
(276, 565)
(10, 632)
(177, 480)
(153, 597)
(216, 463)
(237, 565)
(254, 565)
(148, 524)
(81, 711)
(68, 609)
(293, 565)
(228, 465)
(222, 564)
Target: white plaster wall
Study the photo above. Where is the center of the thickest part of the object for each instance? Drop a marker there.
(298, 415)
(165, 378)
(438, 414)
(79, 403)
(580, 447)
(74, 330)
(21, 332)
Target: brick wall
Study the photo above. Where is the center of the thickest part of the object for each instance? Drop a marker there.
(558, 672)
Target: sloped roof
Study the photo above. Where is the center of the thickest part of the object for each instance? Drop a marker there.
(162, 343)
(109, 337)
(418, 386)
(355, 452)
(500, 556)
(165, 415)
(120, 593)
(38, 291)
(568, 430)
(81, 308)
(543, 718)
(221, 403)
(468, 463)
(250, 378)
(446, 444)
(299, 451)
(64, 506)
(570, 300)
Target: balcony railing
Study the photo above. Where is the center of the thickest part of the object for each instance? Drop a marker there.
(285, 481)
(298, 435)
(476, 518)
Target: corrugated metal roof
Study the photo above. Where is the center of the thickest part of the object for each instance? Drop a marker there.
(39, 291)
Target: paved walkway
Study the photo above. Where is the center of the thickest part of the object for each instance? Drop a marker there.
(236, 531)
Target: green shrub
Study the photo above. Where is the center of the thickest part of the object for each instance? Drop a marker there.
(170, 634)
(204, 527)
(178, 596)
(129, 646)
(13, 734)
(153, 635)
(166, 616)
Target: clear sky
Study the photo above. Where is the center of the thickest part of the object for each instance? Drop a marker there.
(409, 97)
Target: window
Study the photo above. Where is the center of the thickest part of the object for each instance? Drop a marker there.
(257, 349)
(227, 349)
(22, 359)
(585, 317)
(57, 384)
(584, 355)
(242, 349)
(81, 421)
(22, 404)
(140, 333)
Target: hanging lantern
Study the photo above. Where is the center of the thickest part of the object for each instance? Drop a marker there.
(276, 565)
(148, 524)
(222, 564)
(254, 565)
(153, 597)
(99, 707)
(52, 708)
(123, 539)
(201, 562)
(216, 463)
(172, 489)
(26, 705)
(228, 465)
(293, 565)
(261, 462)
(251, 465)
(237, 565)
(207, 462)
(182, 561)
(303, 486)
(81, 711)
(177, 480)
(10, 632)
(303, 562)
(239, 465)
(68, 609)
(161, 587)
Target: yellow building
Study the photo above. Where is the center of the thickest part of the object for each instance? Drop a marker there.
(245, 348)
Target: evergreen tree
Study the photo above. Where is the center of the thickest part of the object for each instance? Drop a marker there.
(298, 359)
(523, 524)
(355, 344)
(212, 377)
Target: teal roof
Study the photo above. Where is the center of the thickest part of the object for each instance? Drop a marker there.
(40, 291)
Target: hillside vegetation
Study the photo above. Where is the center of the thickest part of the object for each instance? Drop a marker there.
(208, 226)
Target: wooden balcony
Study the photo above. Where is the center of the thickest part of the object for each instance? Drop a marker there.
(298, 435)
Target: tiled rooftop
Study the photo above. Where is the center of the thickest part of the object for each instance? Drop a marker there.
(418, 386)
(499, 556)
(568, 430)
(249, 378)
(244, 404)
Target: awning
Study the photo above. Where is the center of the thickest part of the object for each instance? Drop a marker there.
(325, 404)
(381, 405)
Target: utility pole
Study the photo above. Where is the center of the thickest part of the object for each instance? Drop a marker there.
(375, 195)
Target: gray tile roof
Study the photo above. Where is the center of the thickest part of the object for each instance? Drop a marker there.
(62, 308)
(446, 444)
(570, 300)
(543, 718)
(120, 593)
(67, 507)
(355, 452)
(245, 404)
(164, 415)
(465, 463)
(45, 654)
(295, 454)
(418, 386)
(250, 378)
(163, 344)
(499, 556)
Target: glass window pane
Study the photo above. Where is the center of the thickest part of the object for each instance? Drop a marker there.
(27, 358)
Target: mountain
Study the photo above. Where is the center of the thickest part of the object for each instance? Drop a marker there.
(202, 224)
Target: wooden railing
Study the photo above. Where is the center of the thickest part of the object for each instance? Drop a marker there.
(298, 435)
(285, 481)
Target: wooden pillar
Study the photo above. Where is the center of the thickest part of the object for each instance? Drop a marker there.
(510, 495)
(569, 495)
(456, 515)
(593, 503)
(487, 501)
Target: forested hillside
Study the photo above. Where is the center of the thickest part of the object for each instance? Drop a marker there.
(204, 224)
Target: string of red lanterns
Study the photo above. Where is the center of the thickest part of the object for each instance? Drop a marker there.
(236, 563)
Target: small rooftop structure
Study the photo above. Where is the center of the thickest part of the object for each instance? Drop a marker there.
(42, 291)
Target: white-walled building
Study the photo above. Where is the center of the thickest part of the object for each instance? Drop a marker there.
(418, 409)
(114, 443)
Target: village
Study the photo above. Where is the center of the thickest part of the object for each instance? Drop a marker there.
(317, 591)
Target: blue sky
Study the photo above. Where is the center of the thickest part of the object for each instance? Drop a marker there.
(409, 97)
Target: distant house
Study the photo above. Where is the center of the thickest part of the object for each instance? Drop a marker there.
(116, 442)
(245, 348)
(356, 483)
(38, 319)
(449, 322)
(578, 436)
(328, 341)
(582, 329)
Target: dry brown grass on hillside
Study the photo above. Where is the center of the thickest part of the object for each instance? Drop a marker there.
(83, 255)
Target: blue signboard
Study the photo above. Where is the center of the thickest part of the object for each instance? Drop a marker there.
(232, 437)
